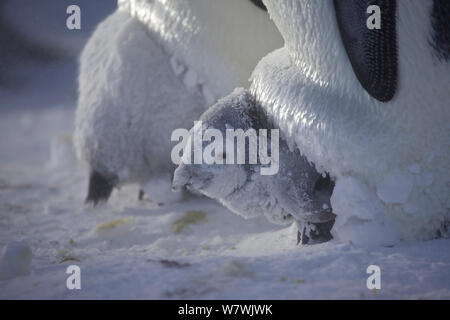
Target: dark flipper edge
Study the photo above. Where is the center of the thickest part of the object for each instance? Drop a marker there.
(441, 28)
(259, 4)
(372, 53)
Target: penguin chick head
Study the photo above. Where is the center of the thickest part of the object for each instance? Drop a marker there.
(210, 156)
(214, 181)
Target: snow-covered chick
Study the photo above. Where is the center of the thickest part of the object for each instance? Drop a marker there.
(295, 192)
(152, 67)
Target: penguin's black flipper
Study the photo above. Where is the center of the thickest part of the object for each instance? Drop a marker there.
(441, 28)
(372, 52)
(259, 4)
(100, 188)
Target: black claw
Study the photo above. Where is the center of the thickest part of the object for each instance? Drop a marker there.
(141, 195)
(315, 233)
(100, 188)
(324, 183)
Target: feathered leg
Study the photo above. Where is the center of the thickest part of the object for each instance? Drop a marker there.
(100, 188)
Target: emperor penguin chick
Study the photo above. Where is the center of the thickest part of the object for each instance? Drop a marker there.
(292, 192)
(154, 66)
(130, 102)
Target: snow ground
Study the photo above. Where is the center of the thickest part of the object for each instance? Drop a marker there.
(42, 189)
(128, 249)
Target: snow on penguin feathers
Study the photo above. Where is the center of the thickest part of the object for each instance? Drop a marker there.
(365, 104)
(142, 75)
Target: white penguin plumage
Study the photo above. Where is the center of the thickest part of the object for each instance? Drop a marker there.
(369, 108)
(399, 150)
(153, 66)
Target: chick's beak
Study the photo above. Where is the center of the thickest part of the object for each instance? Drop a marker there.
(181, 178)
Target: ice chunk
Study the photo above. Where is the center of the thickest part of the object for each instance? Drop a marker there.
(396, 187)
(361, 216)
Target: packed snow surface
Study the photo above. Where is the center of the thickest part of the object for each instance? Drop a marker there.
(193, 249)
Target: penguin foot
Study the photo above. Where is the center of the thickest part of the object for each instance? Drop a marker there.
(316, 228)
(100, 188)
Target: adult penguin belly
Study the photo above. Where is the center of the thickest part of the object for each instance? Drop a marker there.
(215, 44)
(389, 151)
